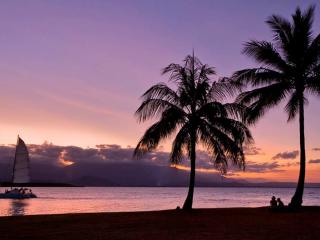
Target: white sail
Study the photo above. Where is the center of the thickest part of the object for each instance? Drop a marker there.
(21, 163)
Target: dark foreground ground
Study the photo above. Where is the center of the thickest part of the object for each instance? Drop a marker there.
(231, 223)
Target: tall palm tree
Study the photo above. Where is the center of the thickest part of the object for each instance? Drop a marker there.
(193, 110)
(289, 69)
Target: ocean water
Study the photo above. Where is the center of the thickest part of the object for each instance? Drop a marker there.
(117, 199)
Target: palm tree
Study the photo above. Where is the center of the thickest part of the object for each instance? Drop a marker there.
(193, 110)
(289, 69)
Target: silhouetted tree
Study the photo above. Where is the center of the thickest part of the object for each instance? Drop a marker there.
(290, 68)
(193, 110)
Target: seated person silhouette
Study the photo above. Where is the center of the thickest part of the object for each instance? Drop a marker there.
(280, 204)
(273, 203)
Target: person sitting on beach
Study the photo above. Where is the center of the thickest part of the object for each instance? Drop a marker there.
(280, 204)
(273, 202)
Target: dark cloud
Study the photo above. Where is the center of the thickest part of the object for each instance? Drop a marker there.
(103, 153)
(316, 149)
(286, 155)
(257, 167)
(111, 164)
(102, 165)
(252, 150)
(290, 164)
(314, 161)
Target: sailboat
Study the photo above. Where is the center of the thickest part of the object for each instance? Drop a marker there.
(20, 173)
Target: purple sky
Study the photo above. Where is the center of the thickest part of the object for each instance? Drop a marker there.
(72, 71)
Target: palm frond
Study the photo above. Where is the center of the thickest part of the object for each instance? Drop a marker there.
(313, 82)
(257, 76)
(312, 56)
(236, 130)
(205, 72)
(155, 107)
(224, 147)
(302, 33)
(218, 156)
(292, 107)
(261, 99)
(224, 88)
(237, 111)
(171, 119)
(212, 109)
(161, 91)
(180, 143)
(265, 53)
(282, 29)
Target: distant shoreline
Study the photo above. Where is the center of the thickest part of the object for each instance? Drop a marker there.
(205, 224)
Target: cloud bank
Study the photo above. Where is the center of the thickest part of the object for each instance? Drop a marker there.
(286, 155)
(252, 150)
(111, 164)
(315, 161)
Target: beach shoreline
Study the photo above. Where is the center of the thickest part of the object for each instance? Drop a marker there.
(218, 223)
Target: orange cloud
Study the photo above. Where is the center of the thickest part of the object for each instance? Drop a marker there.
(203, 170)
(63, 161)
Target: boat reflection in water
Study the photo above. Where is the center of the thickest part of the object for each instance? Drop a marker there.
(18, 207)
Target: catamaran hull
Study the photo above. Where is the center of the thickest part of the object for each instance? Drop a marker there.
(16, 196)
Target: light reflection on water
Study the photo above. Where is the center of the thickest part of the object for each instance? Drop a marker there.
(113, 199)
(17, 207)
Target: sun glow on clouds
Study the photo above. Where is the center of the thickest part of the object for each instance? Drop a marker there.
(203, 170)
(63, 161)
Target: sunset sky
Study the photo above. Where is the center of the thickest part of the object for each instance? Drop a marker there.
(72, 71)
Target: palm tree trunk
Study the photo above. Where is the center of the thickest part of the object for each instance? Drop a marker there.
(189, 200)
(296, 200)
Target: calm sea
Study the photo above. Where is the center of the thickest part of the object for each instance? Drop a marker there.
(113, 199)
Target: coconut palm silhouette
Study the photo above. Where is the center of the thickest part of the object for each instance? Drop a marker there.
(290, 69)
(194, 111)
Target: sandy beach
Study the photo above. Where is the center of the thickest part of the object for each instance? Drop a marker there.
(232, 223)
